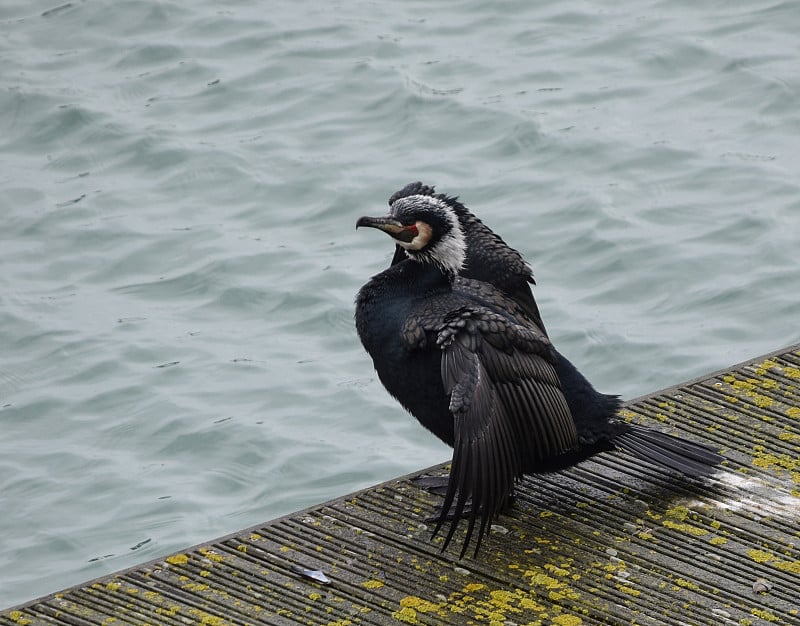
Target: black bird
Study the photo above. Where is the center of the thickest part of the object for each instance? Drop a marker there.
(490, 259)
(470, 363)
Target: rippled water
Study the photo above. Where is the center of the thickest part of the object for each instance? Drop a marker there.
(179, 184)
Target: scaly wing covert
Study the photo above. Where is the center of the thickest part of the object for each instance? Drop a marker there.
(508, 408)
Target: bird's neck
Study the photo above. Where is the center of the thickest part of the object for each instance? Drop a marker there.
(411, 276)
(397, 289)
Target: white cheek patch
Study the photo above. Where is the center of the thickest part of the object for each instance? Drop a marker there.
(448, 252)
(424, 232)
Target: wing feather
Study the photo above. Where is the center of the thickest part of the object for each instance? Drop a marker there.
(508, 409)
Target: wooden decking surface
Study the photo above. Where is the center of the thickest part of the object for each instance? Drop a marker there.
(612, 541)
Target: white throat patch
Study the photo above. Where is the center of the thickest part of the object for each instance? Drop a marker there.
(450, 252)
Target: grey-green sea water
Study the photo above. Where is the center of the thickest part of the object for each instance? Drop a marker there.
(179, 184)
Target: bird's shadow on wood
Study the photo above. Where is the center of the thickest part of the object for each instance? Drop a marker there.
(558, 492)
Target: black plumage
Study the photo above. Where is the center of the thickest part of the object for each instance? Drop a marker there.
(468, 359)
(490, 259)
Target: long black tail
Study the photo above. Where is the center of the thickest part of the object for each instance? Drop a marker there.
(679, 455)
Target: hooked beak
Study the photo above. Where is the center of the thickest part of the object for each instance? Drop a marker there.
(386, 224)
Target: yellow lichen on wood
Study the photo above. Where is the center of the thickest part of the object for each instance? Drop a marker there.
(420, 605)
(760, 556)
(788, 566)
(761, 401)
(407, 615)
(211, 555)
(687, 584)
(629, 590)
(372, 584)
(685, 528)
(792, 372)
(765, 615)
(19, 618)
(177, 559)
(788, 435)
(679, 513)
(769, 461)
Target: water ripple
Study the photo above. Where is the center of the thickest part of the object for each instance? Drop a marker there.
(179, 190)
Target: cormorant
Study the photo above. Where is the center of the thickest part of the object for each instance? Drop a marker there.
(468, 360)
(490, 259)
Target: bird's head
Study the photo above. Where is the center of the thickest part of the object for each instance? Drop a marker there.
(427, 228)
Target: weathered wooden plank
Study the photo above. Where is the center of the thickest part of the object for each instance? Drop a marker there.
(612, 541)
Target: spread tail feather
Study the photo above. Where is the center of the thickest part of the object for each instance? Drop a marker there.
(680, 455)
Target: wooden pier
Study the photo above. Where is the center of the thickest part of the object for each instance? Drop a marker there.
(612, 541)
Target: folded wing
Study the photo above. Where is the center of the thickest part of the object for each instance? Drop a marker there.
(508, 410)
